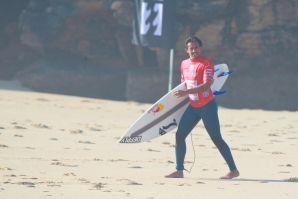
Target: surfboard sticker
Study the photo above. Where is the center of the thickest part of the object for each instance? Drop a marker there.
(164, 129)
(174, 123)
(156, 108)
(136, 139)
(159, 119)
(165, 114)
(162, 132)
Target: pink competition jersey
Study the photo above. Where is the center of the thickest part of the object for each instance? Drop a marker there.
(194, 73)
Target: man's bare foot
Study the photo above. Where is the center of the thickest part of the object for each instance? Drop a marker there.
(232, 174)
(176, 174)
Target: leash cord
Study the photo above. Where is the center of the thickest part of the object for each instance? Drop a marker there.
(194, 155)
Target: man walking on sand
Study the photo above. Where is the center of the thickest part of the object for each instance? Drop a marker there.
(197, 72)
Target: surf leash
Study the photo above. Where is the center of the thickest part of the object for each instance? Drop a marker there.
(194, 158)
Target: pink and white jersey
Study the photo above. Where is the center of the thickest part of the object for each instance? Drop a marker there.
(194, 73)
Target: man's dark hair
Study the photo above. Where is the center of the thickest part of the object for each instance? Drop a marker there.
(193, 39)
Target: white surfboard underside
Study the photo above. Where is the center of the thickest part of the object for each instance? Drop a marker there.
(164, 115)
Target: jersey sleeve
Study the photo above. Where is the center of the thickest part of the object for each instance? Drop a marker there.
(208, 73)
(182, 76)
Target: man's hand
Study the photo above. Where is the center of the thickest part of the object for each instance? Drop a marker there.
(179, 93)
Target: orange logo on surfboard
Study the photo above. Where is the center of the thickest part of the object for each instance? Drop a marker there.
(156, 108)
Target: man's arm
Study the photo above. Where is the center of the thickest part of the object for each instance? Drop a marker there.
(199, 89)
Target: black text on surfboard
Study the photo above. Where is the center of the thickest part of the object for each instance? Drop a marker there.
(136, 139)
(162, 130)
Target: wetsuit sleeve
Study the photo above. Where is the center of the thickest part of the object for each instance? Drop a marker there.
(208, 73)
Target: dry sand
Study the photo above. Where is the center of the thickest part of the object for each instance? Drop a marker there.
(55, 146)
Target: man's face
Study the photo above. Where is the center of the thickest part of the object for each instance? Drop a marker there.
(194, 50)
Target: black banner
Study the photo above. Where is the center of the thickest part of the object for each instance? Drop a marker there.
(154, 23)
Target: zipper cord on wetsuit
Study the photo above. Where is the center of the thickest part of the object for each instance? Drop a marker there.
(194, 155)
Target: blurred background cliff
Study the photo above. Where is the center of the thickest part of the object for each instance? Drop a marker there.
(83, 48)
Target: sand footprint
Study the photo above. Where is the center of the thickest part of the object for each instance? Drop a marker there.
(159, 183)
(86, 142)
(169, 144)
(28, 184)
(5, 169)
(42, 126)
(96, 159)
(153, 150)
(99, 186)
(237, 149)
(286, 165)
(136, 167)
(276, 152)
(76, 131)
(83, 180)
(18, 136)
(29, 148)
(62, 164)
(69, 174)
(244, 149)
(272, 134)
(183, 184)
(275, 141)
(292, 138)
(52, 184)
(129, 182)
(94, 127)
(19, 127)
(117, 160)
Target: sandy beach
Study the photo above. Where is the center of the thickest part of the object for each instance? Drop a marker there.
(56, 146)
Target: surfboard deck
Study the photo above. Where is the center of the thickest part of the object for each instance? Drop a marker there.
(164, 115)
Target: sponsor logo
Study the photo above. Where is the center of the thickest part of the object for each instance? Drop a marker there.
(191, 67)
(209, 72)
(162, 130)
(190, 74)
(156, 108)
(206, 94)
(136, 139)
(174, 123)
(152, 17)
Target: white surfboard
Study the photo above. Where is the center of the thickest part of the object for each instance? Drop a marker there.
(164, 115)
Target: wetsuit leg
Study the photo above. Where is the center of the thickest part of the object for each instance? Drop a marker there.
(186, 124)
(211, 123)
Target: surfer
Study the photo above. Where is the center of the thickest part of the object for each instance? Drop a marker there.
(197, 72)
